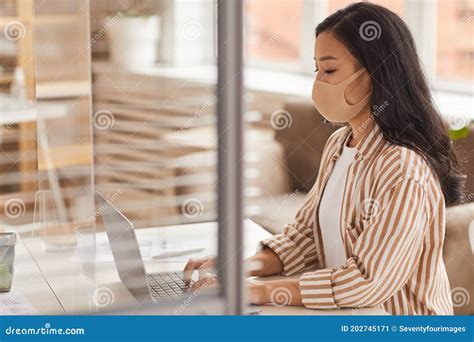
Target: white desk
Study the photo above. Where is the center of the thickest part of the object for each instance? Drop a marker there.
(30, 285)
(94, 286)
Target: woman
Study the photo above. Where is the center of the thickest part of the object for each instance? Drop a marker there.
(371, 231)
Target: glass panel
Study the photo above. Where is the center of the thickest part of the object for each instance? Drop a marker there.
(155, 140)
(155, 148)
(65, 164)
(64, 203)
(122, 99)
(151, 115)
(455, 52)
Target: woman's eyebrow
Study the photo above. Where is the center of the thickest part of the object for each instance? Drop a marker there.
(325, 58)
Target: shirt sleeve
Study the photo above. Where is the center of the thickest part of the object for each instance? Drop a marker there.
(385, 254)
(295, 248)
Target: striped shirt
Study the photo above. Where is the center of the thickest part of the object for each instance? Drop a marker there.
(392, 224)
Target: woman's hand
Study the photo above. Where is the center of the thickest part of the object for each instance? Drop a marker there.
(278, 292)
(256, 290)
(262, 264)
(202, 265)
(265, 263)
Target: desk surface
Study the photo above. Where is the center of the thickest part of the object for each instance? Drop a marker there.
(60, 282)
(29, 287)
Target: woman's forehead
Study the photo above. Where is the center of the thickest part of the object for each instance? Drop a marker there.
(328, 45)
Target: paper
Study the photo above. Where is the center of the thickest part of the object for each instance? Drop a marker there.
(14, 303)
(149, 246)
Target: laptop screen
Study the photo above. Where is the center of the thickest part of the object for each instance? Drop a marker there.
(125, 249)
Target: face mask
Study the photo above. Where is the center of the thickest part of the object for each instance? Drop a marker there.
(330, 101)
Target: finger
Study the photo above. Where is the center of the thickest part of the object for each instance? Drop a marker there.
(188, 270)
(204, 283)
(198, 284)
(210, 262)
(205, 269)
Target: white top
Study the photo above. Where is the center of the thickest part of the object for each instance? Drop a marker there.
(330, 209)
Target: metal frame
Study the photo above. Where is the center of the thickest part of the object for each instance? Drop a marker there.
(230, 130)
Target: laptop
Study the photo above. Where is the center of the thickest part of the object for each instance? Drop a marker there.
(128, 260)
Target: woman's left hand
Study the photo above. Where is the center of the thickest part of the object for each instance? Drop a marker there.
(276, 292)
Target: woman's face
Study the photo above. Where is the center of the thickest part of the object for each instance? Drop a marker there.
(335, 64)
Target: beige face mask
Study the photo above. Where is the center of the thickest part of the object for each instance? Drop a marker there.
(330, 100)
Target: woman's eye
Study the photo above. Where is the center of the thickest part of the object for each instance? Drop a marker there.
(329, 71)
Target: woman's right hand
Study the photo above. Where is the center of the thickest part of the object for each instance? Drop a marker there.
(264, 263)
(202, 265)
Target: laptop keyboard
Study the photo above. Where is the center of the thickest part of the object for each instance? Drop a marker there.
(168, 285)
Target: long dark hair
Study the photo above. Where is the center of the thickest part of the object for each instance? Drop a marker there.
(382, 43)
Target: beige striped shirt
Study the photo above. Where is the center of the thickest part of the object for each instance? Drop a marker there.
(392, 226)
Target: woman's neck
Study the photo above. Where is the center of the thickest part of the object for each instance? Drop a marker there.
(361, 125)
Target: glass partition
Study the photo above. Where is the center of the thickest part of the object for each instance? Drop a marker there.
(124, 148)
(122, 113)
(63, 242)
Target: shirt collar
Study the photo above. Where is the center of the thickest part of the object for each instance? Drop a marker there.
(371, 140)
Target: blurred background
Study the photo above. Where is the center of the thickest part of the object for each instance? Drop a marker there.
(119, 96)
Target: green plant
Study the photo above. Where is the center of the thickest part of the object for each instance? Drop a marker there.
(462, 133)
